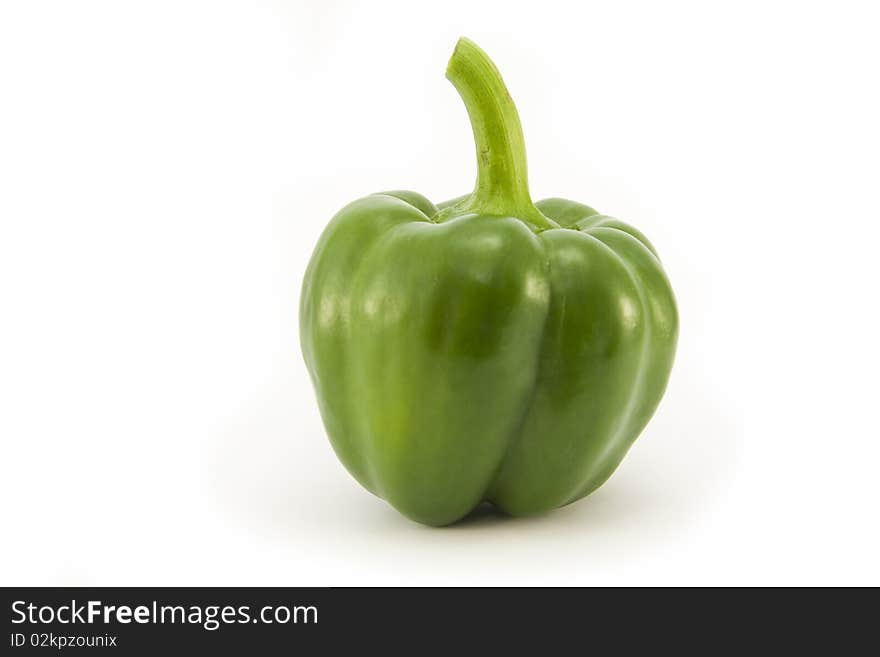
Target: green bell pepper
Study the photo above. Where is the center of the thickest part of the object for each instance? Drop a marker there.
(488, 348)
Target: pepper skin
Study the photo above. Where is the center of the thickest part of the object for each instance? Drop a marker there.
(488, 348)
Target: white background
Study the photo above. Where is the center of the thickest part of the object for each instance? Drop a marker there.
(167, 167)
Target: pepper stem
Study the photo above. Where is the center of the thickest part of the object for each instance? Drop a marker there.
(502, 180)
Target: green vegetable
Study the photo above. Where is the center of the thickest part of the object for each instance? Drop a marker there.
(488, 348)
